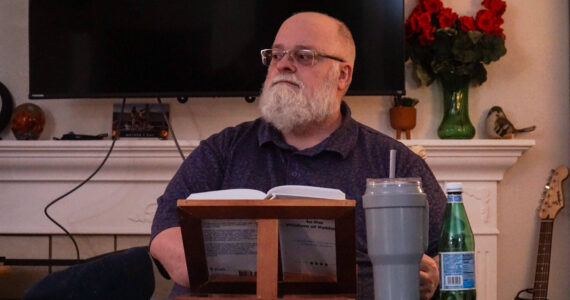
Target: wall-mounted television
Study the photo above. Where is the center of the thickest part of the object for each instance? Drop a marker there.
(191, 48)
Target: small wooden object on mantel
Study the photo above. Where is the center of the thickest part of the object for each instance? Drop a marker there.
(403, 115)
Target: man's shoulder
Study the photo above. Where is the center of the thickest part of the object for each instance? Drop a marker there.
(231, 136)
(376, 138)
(372, 142)
(245, 128)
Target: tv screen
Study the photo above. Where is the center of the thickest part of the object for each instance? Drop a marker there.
(190, 48)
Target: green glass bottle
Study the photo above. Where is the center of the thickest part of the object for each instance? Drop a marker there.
(456, 249)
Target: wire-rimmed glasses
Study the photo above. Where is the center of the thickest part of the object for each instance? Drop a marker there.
(305, 57)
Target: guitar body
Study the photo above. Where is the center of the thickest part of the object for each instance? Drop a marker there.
(552, 203)
(528, 291)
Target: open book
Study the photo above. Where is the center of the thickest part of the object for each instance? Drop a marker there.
(307, 246)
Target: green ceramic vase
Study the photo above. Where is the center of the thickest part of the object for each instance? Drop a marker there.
(456, 123)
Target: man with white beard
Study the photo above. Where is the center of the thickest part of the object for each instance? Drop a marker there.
(306, 136)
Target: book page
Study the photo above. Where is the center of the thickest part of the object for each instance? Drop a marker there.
(304, 191)
(230, 244)
(228, 194)
(308, 247)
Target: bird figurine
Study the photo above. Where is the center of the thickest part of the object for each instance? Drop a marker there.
(499, 127)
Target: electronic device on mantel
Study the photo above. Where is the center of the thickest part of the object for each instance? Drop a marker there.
(185, 48)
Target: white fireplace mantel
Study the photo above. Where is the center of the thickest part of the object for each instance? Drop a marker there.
(121, 198)
(154, 160)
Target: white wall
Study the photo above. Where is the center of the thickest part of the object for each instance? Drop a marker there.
(531, 83)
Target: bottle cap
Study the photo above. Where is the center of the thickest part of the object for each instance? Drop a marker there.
(453, 187)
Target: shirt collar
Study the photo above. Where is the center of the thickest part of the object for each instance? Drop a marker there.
(341, 141)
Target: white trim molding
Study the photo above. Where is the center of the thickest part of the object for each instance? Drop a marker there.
(35, 172)
(472, 160)
(130, 160)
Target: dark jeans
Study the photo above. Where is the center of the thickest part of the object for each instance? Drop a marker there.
(125, 274)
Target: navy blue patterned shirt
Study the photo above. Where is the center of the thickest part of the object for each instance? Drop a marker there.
(255, 155)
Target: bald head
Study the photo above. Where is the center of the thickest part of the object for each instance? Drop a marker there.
(321, 31)
(302, 99)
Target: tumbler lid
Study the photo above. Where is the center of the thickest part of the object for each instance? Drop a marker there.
(393, 192)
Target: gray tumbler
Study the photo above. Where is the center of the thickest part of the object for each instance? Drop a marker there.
(396, 211)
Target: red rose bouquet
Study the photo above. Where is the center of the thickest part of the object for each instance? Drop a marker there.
(440, 43)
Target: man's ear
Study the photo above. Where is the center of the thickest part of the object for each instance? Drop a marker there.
(345, 76)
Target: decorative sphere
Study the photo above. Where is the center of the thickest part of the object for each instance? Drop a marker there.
(28, 121)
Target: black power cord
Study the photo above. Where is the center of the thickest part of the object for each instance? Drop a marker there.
(7, 106)
(171, 130)
(115, 138)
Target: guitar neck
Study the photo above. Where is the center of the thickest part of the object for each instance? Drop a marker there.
(552, 203)
(543, 260)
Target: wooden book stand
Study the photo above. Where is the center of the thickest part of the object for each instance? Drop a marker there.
(268, 284)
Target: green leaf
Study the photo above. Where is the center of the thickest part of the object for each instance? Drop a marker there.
(443, 43)
(419, 53)
(443, 66)
(479, 74)
(423, 75)
(464, 50)
(464, 70)
(449, 31)
(492, 48)
(475, 36)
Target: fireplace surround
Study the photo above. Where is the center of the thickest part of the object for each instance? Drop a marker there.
(120, 199)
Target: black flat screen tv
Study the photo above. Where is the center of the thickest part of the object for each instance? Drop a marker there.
(193, 48)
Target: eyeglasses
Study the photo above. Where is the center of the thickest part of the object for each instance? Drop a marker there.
(305, 57)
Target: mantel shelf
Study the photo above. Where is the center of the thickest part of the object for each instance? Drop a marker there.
(156, 160)
(145, 143)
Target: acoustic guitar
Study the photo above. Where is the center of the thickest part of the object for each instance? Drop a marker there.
(552, 203)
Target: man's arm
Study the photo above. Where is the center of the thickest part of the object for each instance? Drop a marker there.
(167, 247)
(429, 276)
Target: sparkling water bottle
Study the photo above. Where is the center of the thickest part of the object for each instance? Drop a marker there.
(456, 249)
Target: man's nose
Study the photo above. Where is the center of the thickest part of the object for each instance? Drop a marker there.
(286, 64)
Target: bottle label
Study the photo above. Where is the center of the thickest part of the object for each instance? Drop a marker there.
(454, 198)
(457, 270)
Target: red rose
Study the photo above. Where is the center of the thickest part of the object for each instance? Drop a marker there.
(499, 21)
(424, 21)
(485, 21)
(432, 5)
(411, 23)
(426, 36)
(496, 6)
(446, 18)
(499, 32)
(467, 23)
(417, 20)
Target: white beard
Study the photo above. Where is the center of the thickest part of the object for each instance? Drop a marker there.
(293, 109)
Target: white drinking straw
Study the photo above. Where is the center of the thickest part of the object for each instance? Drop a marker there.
(392, 163)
